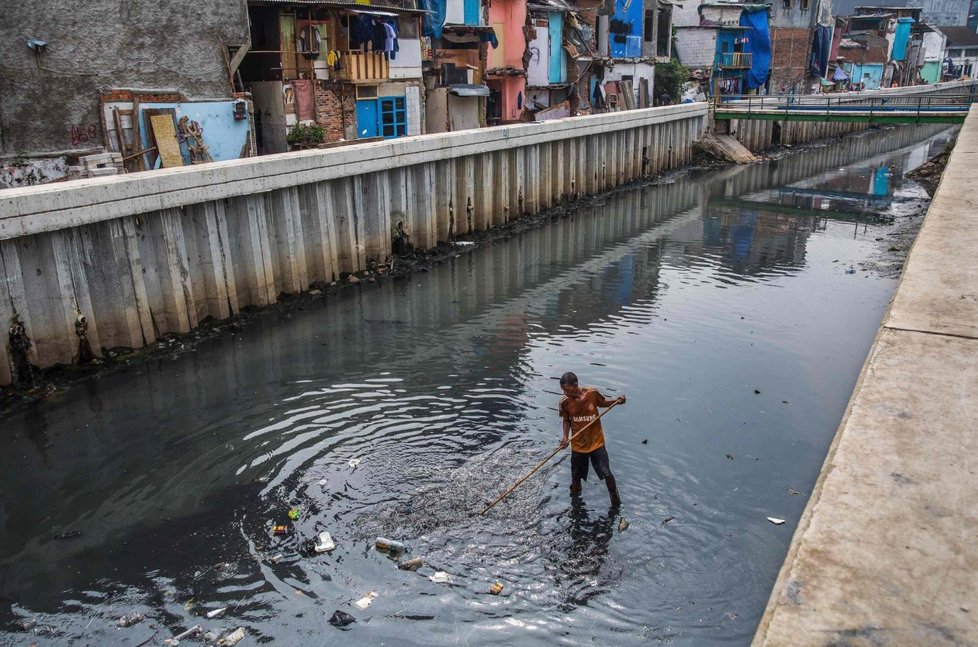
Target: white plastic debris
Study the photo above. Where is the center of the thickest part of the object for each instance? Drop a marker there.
(463, 243)
(129, 620)
(276, 558)
(354, 462)
(323, 482)
(216, 613)
(366, 600)
(232, 638)
(775, 521)
(440, 577)
(325, 544)
(189, 632)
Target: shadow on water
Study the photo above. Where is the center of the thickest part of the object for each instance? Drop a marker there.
(401, 409)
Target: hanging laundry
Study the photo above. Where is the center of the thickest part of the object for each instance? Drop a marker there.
(489, 37)
(305, 99)
(391, 45)
(361, 32)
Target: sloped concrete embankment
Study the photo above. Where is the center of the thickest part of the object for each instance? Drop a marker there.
(885, 552)
(120, 262)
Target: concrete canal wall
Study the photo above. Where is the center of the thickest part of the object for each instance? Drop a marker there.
(885, 552)
(121, 261)
(762, 134)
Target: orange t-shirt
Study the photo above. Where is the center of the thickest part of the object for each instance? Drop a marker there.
(580, 411)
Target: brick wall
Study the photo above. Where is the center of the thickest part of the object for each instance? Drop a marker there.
(789, 59)
(331, 116)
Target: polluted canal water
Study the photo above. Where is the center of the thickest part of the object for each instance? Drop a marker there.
(733, 306)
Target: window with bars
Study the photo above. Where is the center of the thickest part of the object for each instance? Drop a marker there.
(393, 117)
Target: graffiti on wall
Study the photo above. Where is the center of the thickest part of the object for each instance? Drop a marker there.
(81, 135)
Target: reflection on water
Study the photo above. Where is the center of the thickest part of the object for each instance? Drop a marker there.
(400, 408)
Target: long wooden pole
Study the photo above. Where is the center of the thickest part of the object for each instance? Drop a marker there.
(544, 461)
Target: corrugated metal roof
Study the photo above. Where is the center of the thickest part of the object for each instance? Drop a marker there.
(960, 36)
(469, 90)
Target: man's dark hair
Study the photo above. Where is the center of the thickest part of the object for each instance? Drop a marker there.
(568, 378)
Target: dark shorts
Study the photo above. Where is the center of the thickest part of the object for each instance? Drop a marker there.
(598, 458)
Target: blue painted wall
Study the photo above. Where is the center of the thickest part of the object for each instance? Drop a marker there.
(472, 12)
(857, 70)
(626, 43)
(223, 135)
(900, 39)
(558, 63)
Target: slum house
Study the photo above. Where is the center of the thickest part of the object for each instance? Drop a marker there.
(863, 57)
(506, 70)
(628, 41)
(895, 24)
(322, 72)
(933, 12)
(457, 95)
(933, 44)
(90, 80)
(801, 41)
(732, 42)
(961, 60)
(547, 86)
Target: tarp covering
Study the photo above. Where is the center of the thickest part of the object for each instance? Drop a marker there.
(818, 59)
(434, 20)
(839, 75)
(758, 43)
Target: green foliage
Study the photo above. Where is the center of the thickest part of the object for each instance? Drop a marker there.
(306, 135)
(669, 79)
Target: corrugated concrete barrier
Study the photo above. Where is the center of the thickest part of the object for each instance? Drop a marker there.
(124, 260)
(885, 552)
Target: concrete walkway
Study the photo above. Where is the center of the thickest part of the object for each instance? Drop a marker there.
(886, 552)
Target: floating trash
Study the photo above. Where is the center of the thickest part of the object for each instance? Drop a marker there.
(323, 482)
(775, 521)
(496, 588)
(354, 462)
(276, 558)
(232, 638)
(411, 564)
(441, 577)
(463, 243)
(294, 514)
(622, 524)
(189, 632)
(385, 545)
(341, 619)
(325, 544)
(216, 613)
(366, 600)
(280, 530)
(131, 619)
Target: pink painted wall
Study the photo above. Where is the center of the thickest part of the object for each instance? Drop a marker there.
(507, 17)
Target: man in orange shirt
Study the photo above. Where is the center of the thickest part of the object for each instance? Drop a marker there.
(578, 408)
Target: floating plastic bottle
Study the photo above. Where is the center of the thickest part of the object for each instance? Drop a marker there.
(385, 545)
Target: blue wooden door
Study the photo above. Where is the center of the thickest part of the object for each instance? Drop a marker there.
(471, 15)
(366, 118)
(558, 68)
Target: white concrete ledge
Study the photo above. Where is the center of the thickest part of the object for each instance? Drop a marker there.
(886, 552)
(30, 210)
